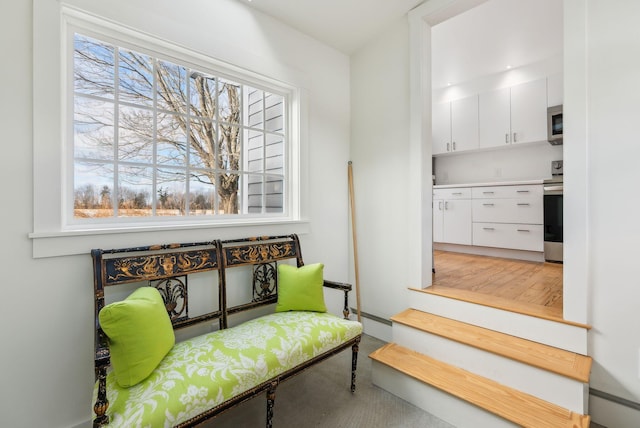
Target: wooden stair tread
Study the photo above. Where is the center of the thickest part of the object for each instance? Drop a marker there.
(508, 403)
(556, 360)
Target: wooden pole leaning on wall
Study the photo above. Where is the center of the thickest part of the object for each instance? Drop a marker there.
(352, 205)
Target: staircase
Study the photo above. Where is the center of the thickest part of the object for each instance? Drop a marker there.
(476, 366)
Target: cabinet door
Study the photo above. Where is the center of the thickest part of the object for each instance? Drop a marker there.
(528, 237)
(495, 122)
(441, 128)
(438, 217)
(529, 112)
(464, 124)
(517, 211)
(457, 221)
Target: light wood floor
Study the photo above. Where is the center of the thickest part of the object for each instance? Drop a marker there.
(510, 284)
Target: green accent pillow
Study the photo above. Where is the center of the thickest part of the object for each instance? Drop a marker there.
(300, 289)
(140, 334)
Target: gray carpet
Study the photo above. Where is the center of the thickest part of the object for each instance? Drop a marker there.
(320, 397)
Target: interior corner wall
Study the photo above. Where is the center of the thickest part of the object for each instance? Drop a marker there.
(47, 319)
(611, 154)
(380, 153)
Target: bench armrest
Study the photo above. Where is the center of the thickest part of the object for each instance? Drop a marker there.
(344, 287)
(337, 285)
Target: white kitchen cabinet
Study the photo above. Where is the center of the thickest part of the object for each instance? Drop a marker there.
(498, 216)
(508, 217)
(452, 216)
(512, 210)
(526, 237)
(529, 112)
(495, 118)
(455, 125)
(441, 128)
(513, 115)
(510, 191)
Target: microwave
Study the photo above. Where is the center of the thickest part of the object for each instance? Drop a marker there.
(554, 125)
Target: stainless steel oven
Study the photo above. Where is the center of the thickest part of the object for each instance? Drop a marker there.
(553, 219)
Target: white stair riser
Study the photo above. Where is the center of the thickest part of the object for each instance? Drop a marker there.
(453, 410)
(551, 387)
(559, 335)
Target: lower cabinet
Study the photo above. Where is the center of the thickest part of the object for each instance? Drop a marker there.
(452, 216)
(507, 216)
(527, 237)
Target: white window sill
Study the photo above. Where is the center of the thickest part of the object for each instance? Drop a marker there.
(73, 242)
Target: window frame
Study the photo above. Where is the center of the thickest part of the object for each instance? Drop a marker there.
(180, 59)
(53, 234)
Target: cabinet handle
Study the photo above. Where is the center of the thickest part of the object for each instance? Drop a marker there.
(448, 147)
(453, 145)
(506, 138)
(446, 205)
(487, 193)
(523, 205)
(456, 193)
(515, 137)
(522, 191)
(487, 205)
(440, 205)
(488, 228)
(524, 230)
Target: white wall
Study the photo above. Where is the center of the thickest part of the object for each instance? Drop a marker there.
(380, 155)
(602, 166)
(613, 231)
(47, 316)
(525, 162)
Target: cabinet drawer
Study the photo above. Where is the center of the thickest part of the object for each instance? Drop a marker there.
(522, 210)
(452, 193)
(499, 192)
(513, 236)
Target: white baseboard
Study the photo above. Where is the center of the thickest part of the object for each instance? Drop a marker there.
(86, 424)
(531, 256)
(377, 329)
(611, 414)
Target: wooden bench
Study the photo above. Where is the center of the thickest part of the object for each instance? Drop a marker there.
(247, 348)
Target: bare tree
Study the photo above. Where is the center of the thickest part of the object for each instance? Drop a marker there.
(194, 103)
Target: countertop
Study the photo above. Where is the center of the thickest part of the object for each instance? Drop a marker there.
(489, 183)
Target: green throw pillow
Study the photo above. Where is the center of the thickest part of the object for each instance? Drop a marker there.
(300, 289)
(140, 334)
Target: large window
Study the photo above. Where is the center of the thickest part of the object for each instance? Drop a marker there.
(157, 138)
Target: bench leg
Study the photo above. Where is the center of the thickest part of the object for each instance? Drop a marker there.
(354, 362)
(271, 398)
(102, 404)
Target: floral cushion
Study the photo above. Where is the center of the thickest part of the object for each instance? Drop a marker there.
(200, 373)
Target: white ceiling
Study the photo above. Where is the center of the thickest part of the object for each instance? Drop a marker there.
(478, 42)
(345, 25)
(484, 40)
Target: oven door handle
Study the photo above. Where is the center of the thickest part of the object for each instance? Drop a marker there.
(553, 190)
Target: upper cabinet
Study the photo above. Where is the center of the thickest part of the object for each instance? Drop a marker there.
(514, 115)
(495, 118)
(441, 128)
(455, 125)
(529, 112)
(502, 117)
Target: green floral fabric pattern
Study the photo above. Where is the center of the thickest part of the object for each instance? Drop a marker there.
(202, 372)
